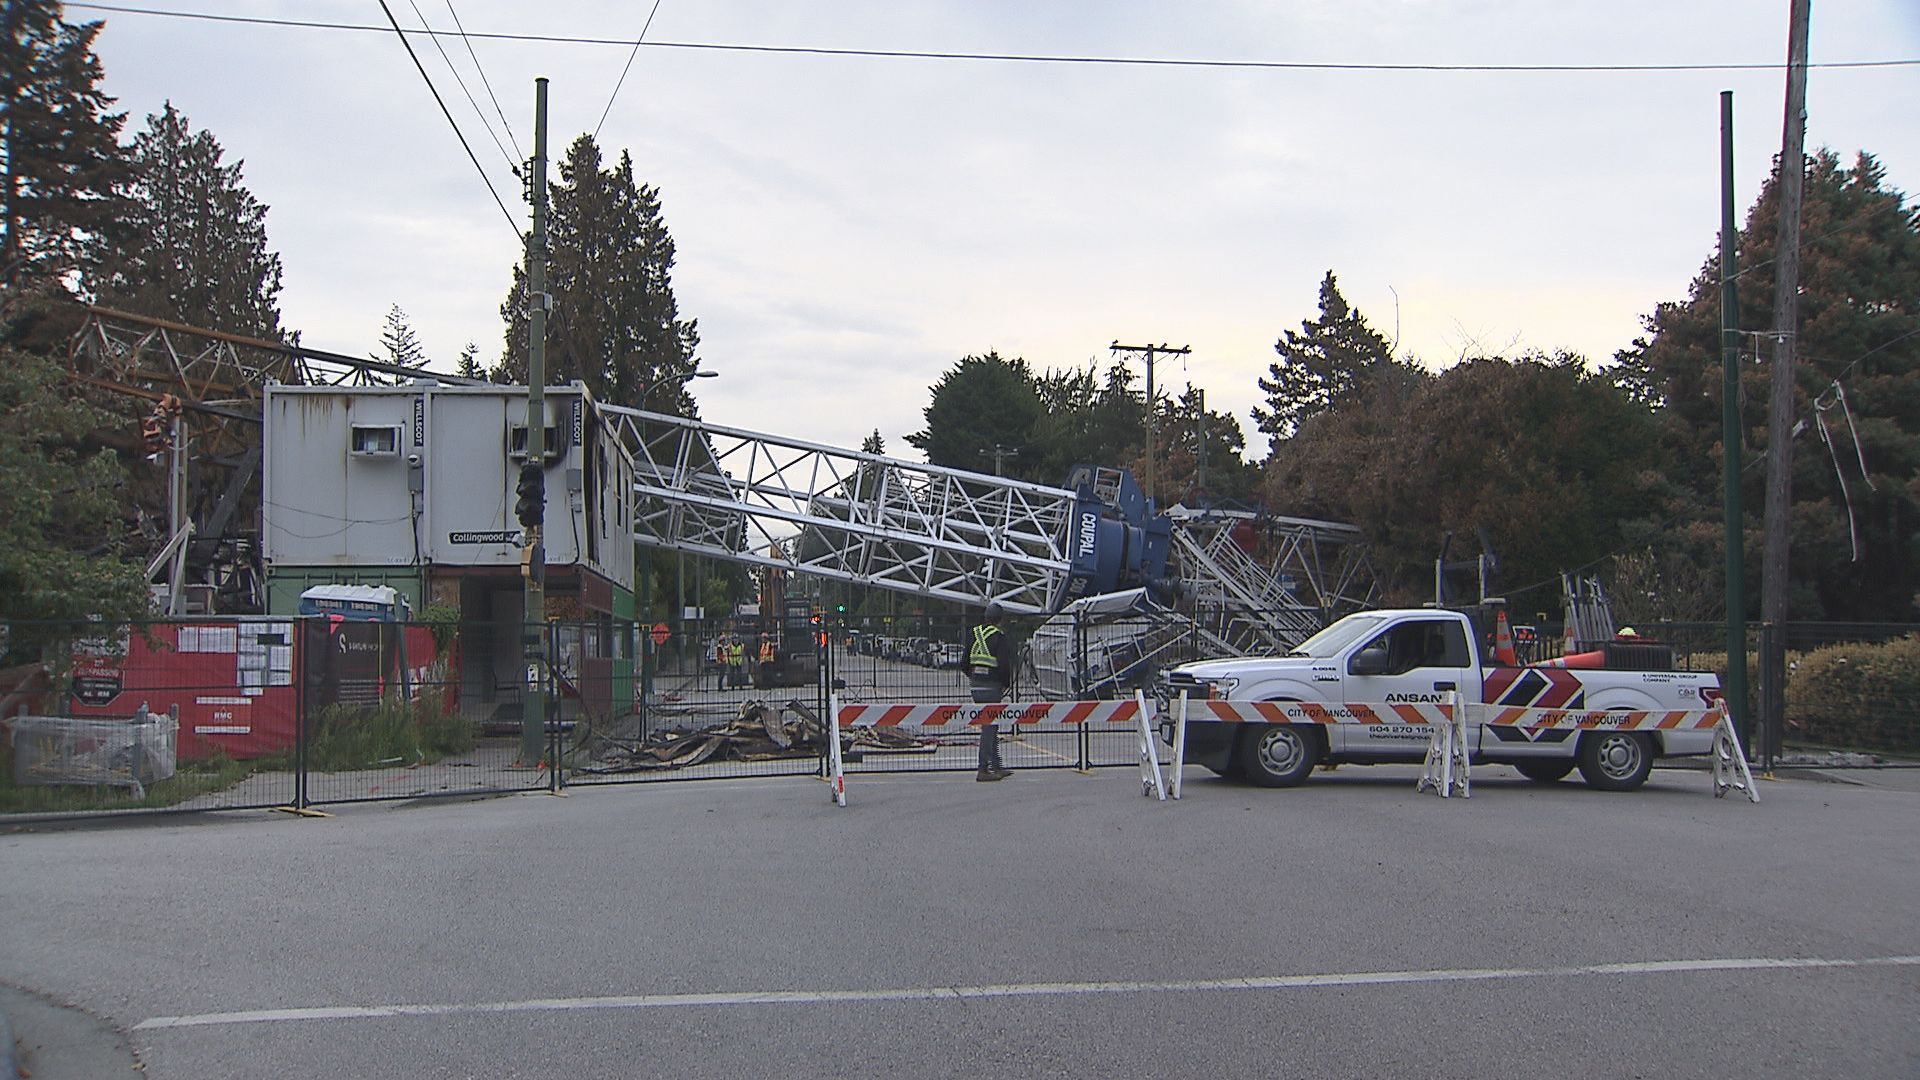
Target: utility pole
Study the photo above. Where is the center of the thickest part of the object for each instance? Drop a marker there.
(1730, 439)
(1786, 291)
(1200, 440)
(1149, 353)
(533, 716)
(999, 454)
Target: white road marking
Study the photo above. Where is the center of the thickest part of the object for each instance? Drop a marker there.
(1014, 990)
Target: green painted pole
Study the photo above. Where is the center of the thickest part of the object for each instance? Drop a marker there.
(533, 715)
(1730, 441)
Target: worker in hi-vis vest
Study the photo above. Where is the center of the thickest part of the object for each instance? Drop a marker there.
(990, 677)
(737, 664)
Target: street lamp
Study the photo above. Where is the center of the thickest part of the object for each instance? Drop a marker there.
(673, 380)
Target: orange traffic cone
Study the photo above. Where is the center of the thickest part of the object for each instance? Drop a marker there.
(1503, 640)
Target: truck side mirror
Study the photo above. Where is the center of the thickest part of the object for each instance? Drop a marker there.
(1371, 660)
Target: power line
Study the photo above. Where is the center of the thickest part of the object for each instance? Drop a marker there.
(484, 122)
(1034, 58)
(497, 110)
(623, 71)
(484, 178)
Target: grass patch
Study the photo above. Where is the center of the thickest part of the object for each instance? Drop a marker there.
(398, 731)
(190, 781)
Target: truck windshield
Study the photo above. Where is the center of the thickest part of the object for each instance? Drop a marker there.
(1334, 638)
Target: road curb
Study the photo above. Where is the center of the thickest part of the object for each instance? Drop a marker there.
(1799, 772)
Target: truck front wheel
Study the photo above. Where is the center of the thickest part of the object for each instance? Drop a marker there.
(1278, 755)
(1615, 760)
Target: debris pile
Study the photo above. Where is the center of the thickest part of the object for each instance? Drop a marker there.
(758, 733)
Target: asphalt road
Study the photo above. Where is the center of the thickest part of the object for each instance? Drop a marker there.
(1051, 925)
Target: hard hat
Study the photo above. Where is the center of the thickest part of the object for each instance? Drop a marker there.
(995, 612)
(1627, 631)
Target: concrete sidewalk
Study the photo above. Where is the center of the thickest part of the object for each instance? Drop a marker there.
(1886, 778)
(51, 1041)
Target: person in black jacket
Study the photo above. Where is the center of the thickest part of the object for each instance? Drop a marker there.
(990, 677)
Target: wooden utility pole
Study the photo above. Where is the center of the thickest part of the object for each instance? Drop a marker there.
(1200, 440)
(1149, 353)
(1786, 314)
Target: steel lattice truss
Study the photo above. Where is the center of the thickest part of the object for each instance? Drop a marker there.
(873, 520)
(845, 514)
(1315, 569)
(218, 378)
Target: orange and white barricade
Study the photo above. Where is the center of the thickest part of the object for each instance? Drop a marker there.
(1730, 772)
(1449, 763)
(947, 717)
(1449, 760)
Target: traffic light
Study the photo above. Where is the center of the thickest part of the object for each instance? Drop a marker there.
(153, 435)
(841, 608)
(531, 508)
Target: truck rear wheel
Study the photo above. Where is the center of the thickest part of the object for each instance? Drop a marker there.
(1615, 760)
(1277, 755)
(1545, 770)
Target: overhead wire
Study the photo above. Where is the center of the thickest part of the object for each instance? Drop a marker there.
(1034, 58)
(629, 66)
(461, 135)
(512, 164)
(477, 66)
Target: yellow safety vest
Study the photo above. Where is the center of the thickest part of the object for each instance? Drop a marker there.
(981, 654)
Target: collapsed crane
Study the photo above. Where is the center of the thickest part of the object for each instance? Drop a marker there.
(1238, 580)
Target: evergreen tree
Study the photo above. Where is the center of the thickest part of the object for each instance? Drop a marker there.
(978, 404)
(468, 366)
(1858, 337)
(873, 444)
(1199, 456)
(191, 245)
(1553, 461)
(400, 345)
(61, 515)
(63, 170)
(1088, 419)
(615, 324)
(1323, 365)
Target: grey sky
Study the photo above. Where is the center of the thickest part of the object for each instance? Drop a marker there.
(848, 227)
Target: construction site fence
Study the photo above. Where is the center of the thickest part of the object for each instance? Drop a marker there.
(210, 713)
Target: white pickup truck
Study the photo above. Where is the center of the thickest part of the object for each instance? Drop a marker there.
(1418, 655)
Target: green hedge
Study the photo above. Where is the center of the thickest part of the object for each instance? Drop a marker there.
(1864, 697)
(1853, 696)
